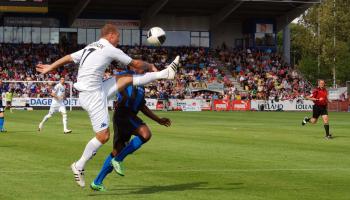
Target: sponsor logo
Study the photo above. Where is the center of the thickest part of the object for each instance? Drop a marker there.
(303, 107)
(103, 125)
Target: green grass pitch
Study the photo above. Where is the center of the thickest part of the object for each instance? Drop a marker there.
(204, 155)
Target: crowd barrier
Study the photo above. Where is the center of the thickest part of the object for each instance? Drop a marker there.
(199, 104)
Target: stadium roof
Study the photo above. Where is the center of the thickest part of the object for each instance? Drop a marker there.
(218, 10)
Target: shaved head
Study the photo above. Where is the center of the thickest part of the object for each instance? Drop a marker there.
(108, 29)
(110, 32)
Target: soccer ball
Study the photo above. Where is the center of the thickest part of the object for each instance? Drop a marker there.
(156, 36)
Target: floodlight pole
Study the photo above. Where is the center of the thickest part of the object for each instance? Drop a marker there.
(334, 51)
(318, 42)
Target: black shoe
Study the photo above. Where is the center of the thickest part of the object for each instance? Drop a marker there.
(304, 121)
(328, 137)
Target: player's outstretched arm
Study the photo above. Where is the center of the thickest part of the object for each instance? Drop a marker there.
(150, 114)
(45, 68)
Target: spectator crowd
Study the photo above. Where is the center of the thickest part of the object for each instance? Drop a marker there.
(244, 74)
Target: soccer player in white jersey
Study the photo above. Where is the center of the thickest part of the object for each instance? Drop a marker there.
(94, 92)
(57, 105)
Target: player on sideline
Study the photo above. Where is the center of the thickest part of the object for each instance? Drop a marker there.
(57, 105)
(2, 115)
(126, 123)
(320, 98)
(94, 93)
(9, 98)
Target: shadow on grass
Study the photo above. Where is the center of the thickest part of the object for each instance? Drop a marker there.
(139, 190)
(7, 146)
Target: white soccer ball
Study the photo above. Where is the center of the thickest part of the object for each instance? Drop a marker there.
(156, 36)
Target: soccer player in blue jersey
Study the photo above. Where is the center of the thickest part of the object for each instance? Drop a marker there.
(126, 123)
(2, 116)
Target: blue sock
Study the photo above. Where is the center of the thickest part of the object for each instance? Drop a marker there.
(106, 169)
(2, 121)
(134, 144)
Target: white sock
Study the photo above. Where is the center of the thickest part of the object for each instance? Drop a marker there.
(64, 120)
(90, 150)
(48, 116)
(149, 77)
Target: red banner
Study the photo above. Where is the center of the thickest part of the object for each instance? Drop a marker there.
(240, 105)
(222, 105)
(160, 105)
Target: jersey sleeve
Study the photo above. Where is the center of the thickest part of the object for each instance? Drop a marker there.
(314, 94)
(119, 56)
(76, 56)
(54, 90)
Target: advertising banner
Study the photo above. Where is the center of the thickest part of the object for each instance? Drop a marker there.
(185, 104)
(222, 105)
(294, 105)
(205, 104)
(33, 102)
(198, 86)
(240, 105)
(151, 104)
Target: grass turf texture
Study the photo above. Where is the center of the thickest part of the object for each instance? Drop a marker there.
(207, 155)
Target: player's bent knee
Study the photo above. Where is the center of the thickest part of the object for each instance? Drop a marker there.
(103, 136)
(144, 133)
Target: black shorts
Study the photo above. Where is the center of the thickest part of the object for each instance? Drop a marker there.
(318, 111)
(124, 127)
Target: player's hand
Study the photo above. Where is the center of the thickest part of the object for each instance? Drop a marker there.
(320, 99)
(165, 122)
(43, 69)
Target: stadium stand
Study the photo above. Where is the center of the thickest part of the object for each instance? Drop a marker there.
(245, 74)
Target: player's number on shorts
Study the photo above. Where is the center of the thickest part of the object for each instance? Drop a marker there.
(88, 52)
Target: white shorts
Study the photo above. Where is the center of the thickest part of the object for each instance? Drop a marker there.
(57, 108)
(96, 104)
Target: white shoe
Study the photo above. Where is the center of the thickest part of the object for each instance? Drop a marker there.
(78, 175)
(67, 131)
(172, 68)
(40, 127)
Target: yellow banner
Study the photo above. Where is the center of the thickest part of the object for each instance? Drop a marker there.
(24, 9)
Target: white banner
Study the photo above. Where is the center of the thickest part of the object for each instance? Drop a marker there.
(18, 102)
(47, 102)
(295, 105)
(151, 104)
(185, 104)
(205, 104)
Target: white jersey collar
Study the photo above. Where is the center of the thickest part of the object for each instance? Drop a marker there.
(105, 42)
